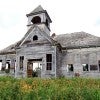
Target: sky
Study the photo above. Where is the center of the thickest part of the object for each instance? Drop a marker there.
(67, 16)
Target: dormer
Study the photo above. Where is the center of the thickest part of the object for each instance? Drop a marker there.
(39, 17)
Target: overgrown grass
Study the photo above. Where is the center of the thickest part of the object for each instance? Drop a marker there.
(49, 89)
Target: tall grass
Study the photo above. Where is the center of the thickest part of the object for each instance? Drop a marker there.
(49, 89)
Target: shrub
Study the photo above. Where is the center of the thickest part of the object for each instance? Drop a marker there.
(49, 89)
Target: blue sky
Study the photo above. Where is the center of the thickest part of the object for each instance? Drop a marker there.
(67, 16)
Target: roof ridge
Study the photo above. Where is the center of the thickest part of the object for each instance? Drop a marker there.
(81, 32)
(37, 9)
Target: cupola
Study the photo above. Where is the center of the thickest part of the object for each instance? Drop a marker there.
(39, 17)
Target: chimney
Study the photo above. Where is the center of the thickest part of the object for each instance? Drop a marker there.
(53, 35)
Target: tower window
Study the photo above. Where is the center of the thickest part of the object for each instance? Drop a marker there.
(36, 20)
(35, 37)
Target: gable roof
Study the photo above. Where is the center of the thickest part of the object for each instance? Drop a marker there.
(10, 49)
(72, 40)
(77, 39)
(37, 9)
(45, 35)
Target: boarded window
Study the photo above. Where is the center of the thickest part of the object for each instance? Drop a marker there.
(93, 67)
(85, 67)
(21, 62)
(49, 61)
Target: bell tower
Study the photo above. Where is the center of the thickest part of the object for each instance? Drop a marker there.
(39, 17)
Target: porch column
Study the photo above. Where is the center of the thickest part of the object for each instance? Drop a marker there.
(77, 64)
(12, 66)
(17, 67)
(3, 63)
(43, 70)
(25, 67)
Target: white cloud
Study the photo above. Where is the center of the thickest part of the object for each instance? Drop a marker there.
(67, 16)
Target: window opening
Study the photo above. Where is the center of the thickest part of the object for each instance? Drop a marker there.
(36, 20)
(85, 67)
(99, 64)
(21, 62)
(0, 64)
(49, 61)
(70, 67)
(7, 69)
(35, 37)
(93, 67)
(15, 66)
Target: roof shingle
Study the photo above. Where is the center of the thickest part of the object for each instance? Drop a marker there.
(77, 39)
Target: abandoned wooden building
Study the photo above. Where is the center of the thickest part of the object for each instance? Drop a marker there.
(69, 55)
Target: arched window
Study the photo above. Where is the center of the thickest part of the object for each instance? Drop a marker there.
(36, 20)
(35, 37)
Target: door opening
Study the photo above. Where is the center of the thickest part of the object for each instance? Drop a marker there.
(34, 67)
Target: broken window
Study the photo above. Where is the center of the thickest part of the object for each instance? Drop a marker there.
(35, 37)
(0, 64)
(36, 20)
(70, 67)
(93, 67)
(21, 62)
(8, 62)
(15, 66)
(99, 64)
(49, 61)
(85, 67)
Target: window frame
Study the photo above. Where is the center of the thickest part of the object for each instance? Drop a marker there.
(21, 62)
(85, 67)
(95, 68)
(70, 67)
(49, 62)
